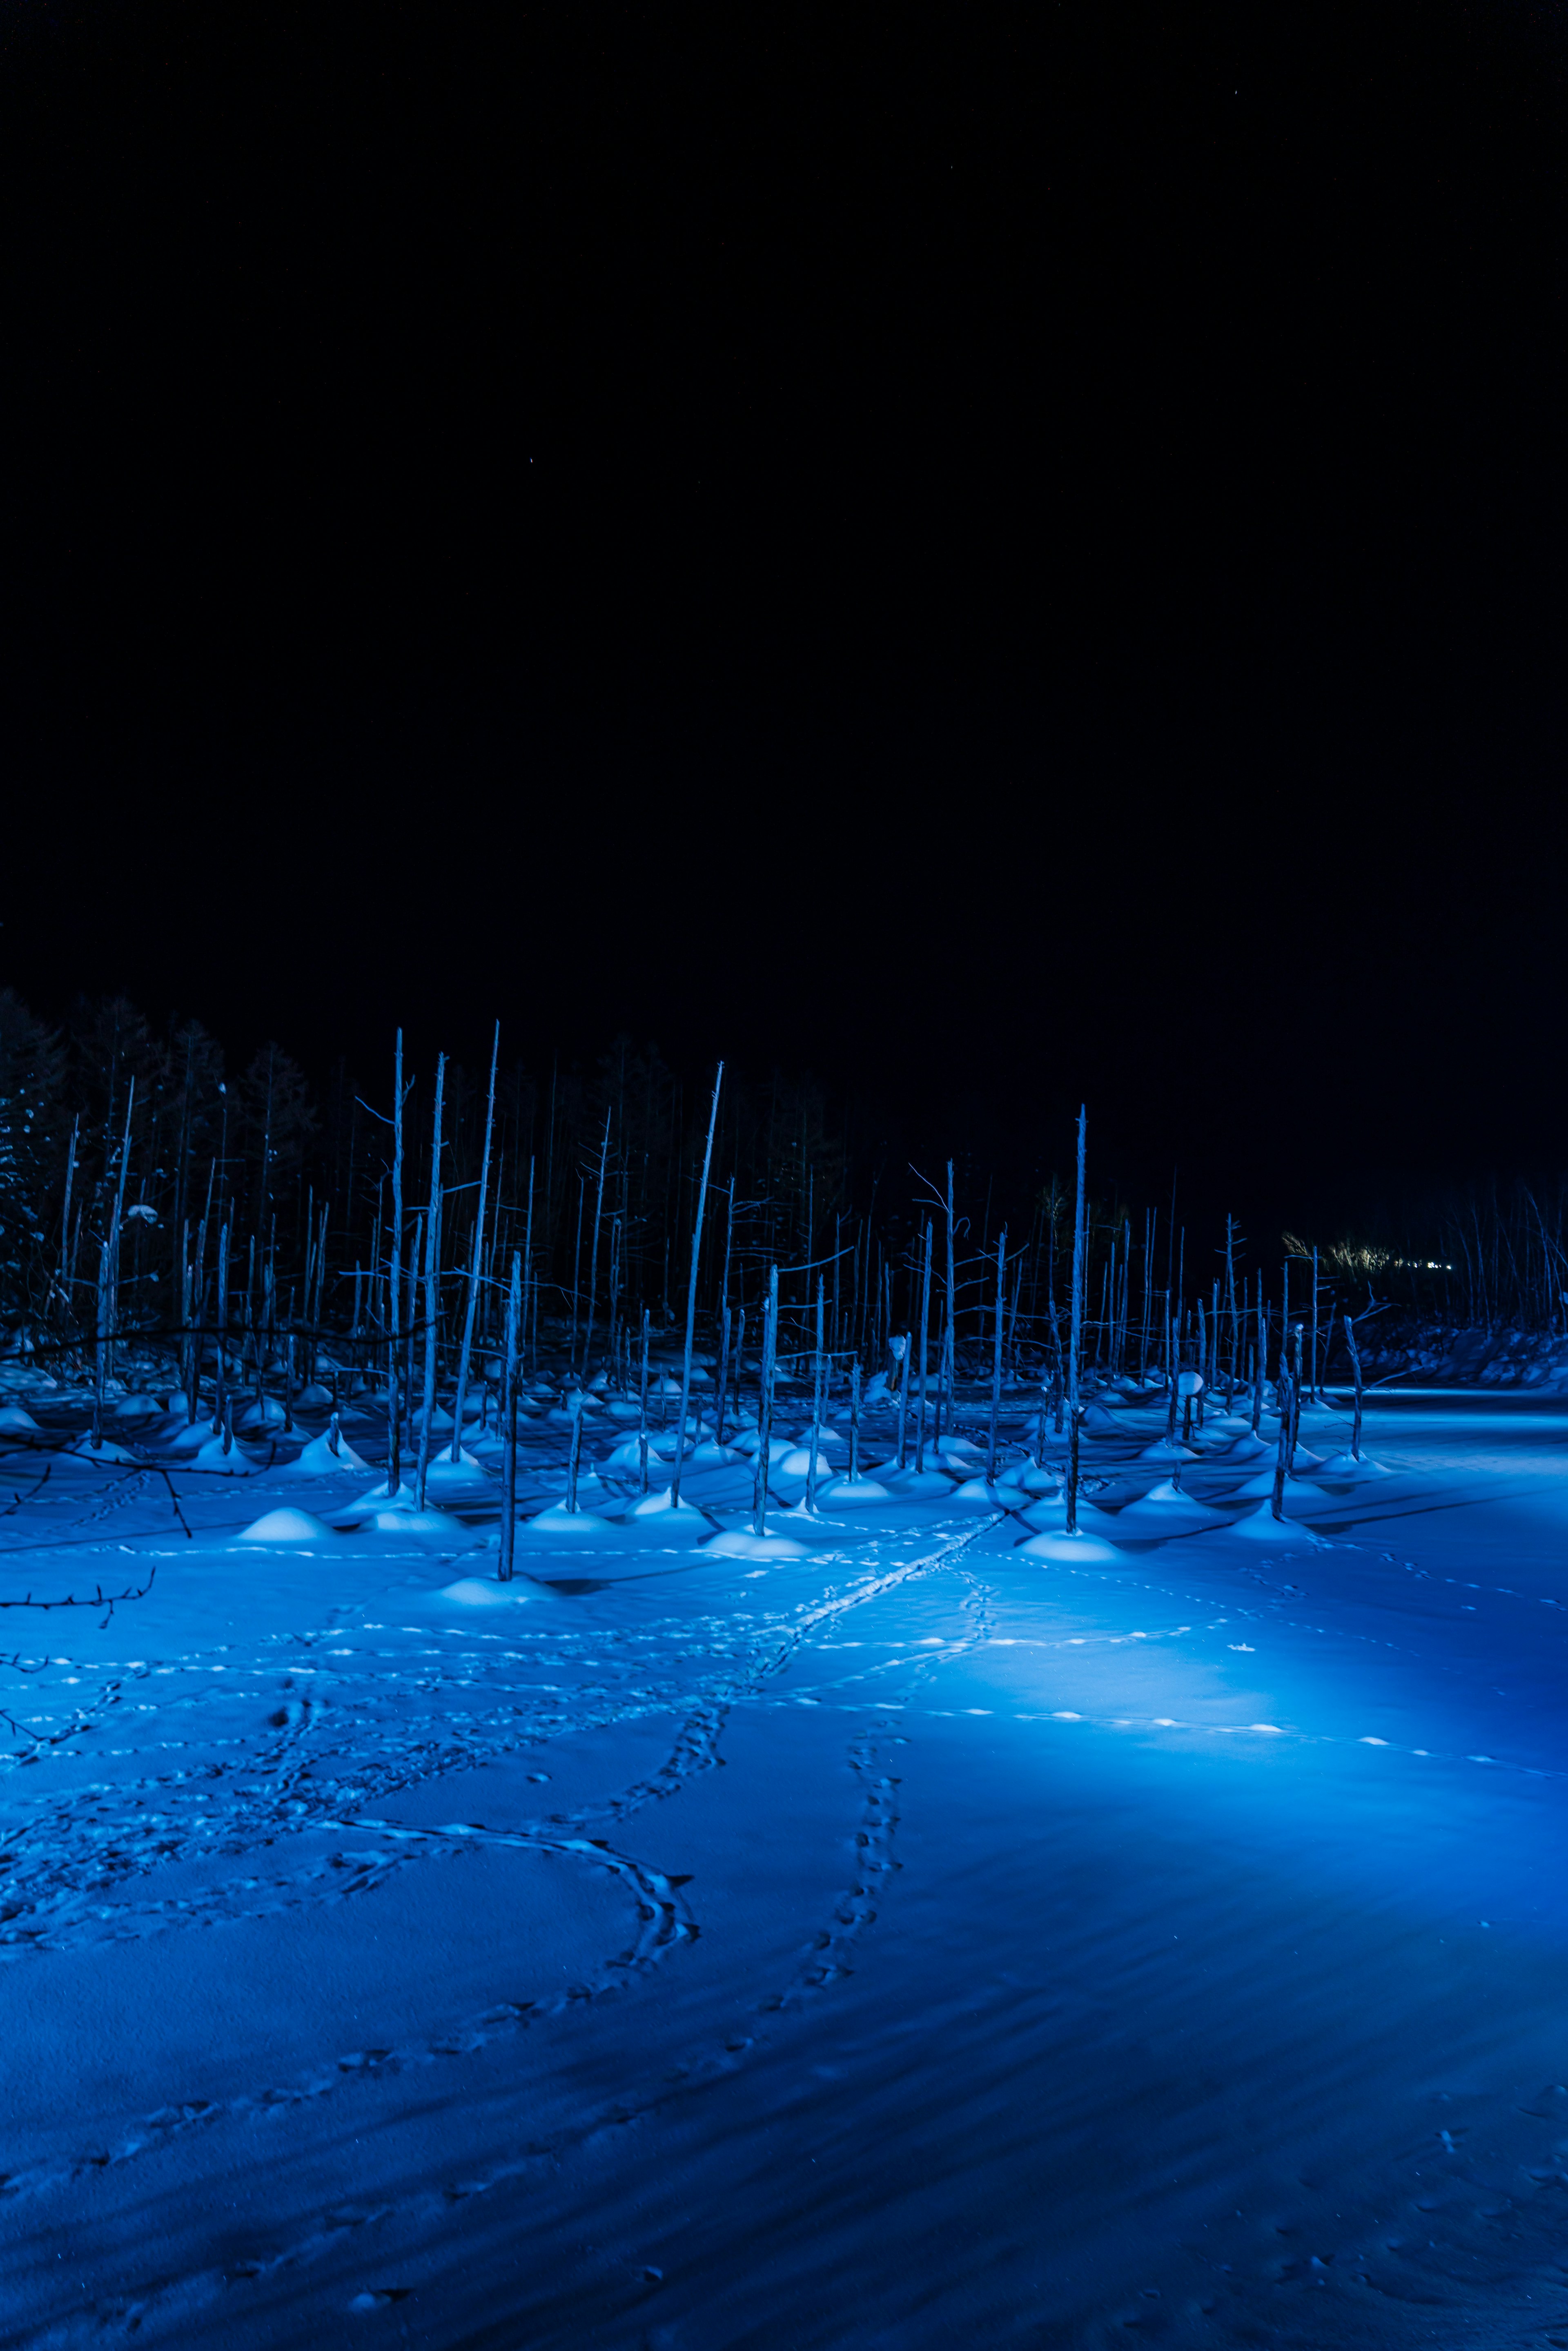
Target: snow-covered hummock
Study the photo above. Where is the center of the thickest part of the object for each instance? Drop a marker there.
(736, 1544)
(1260, 1525)
(261, 1411)
(318, 1459)
(851, 1493)
(440, 1419)
(1072, 1550)
(1251, 1448)
(1164, 1507)
(288, 1526)
(463, 1476)
(1031, 1477)
(15, 1420)
(382, 1498)
(137, 1407)
(1340, 1468)
(709, 1456)
(558, 1524)
(427, 1525)
(234, 1463)
(84, 1449)
(681, 1517)
(187, 1437)
(626, 1459)
(913, 1485)
(1168, 1449)
(315, 1397)
(478, 1592)
(975, 1492)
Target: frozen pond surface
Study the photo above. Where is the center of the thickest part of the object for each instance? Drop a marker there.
(917, 1942)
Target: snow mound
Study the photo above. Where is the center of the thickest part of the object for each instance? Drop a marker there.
(15, 1420)
(1164, 1508)
(670, 1514)
(137, 1407)
(1069, 1550)
(915, 1485)
(263, 1412)
(446, 1476)
(378, 1499)
(709, 1456)
(975, 1491)
(558, 1524)
(1031, 1478)
(476, 1592)
(421, 1522)
(1340, 1467)
(318, 1461)
(84, 1449)
(286, 1526)
(1261, 1526)
(1166, 1448)
(744, 1546)
(1251, 1448)
(190, 1439)
(235, 1463)
(852, 1493)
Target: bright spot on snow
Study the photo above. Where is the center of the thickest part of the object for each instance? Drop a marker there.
(1067, 1717)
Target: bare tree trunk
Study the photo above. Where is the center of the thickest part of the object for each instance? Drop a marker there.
(764, 1399)
(1282, 1450)
(593, 1251)
(510, 1374)
(1355, 1374)
(643, 1410)
(997, 1354)
(925, 1336)
(394, 1275)
(723, 1376)
(466, 1348)
(432, 1288)
(692, 1290)
(816, 1402)
(1075, 1410)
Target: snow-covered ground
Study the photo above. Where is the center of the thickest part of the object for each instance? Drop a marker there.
(920, 1941)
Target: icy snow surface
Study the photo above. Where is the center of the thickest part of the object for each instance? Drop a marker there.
(909, 1940)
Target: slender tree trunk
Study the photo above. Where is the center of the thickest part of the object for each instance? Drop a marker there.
(1075, 1408)
(1282, 1450)
(925, 1338)
(723, 1376)
(765, 1400)
(692, 1292)
(997, 1354)
(465, 1350)
(510, 1374)
(1356, 1375)
(593, 1251)
(394, 1285)
(432, 1290)
(816, 1402)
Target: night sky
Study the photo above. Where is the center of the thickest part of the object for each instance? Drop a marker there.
(996, 555)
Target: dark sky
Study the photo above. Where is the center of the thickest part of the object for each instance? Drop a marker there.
(996, 554)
